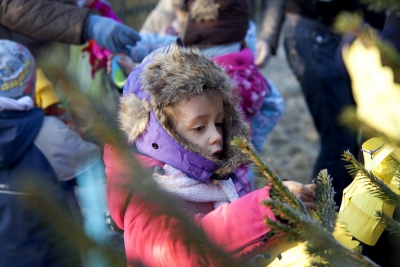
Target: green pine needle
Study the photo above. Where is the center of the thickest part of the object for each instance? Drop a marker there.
(395, 163)
(278, 190)
(388, 222)
(280, 228)
(381, 5)
(326, 209)
(287, 212)
(377, 187)
(348, 22)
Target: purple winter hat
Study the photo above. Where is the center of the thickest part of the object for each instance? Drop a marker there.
(155, 142)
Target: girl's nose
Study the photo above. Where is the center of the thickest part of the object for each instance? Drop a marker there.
(216, 137)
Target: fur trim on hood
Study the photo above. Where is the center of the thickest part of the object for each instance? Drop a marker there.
(170, 77)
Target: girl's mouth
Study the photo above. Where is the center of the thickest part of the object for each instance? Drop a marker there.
(217, 154)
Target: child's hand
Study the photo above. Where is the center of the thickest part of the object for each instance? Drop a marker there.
(305, 193)
(124, 61)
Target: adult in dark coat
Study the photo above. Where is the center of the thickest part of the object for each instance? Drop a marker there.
(33, 23)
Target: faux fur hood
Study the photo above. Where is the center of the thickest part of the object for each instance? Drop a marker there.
(168, 78)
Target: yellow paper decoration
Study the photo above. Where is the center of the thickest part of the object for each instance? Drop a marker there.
(294, 257)
(280, 246)
(374, 90)
(359, 206)
(345, 238)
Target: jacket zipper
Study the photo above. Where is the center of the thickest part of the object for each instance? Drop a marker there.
(264, 239)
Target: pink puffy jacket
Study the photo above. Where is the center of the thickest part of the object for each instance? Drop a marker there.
(156, 240)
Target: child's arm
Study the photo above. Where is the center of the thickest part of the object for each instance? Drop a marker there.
(268, 37)
(149, 43)
(306, 193)
(239, 227)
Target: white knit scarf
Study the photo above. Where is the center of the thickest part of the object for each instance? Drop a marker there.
(180, 184)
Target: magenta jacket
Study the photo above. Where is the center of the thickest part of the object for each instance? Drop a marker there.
(155, 240)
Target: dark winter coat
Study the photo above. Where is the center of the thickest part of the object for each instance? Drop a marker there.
(34, 23)
(39, 151)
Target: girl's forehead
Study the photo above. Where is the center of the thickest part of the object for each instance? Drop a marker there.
(201, 103)
(213, 98)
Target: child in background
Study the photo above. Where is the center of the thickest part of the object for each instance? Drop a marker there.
(179, 111)
(47, 99)
(223, 32)
(39, 150)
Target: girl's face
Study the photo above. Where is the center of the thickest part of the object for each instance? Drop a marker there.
(199, 120)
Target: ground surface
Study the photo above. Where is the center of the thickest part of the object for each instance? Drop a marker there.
(292, 146)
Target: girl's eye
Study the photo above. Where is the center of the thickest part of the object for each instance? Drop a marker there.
(199, 128)
(218, 124)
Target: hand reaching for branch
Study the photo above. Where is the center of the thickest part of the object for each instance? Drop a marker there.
(305, 193)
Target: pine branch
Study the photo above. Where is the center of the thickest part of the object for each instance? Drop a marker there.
(354, 168)
(294, 220)
(321, 245)
(377, 187)
(280, 228)
(347, 22)
(319, 262)
(388, 222)
(395, 163)
(321, 255)
(381, 5)
(278, 191)
(326, 209)
(287, 212)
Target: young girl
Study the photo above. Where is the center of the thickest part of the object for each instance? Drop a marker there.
(179, 111)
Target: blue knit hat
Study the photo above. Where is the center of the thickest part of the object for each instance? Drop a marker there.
(17, 70)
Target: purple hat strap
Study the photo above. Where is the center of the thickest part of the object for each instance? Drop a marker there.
(157, 143)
